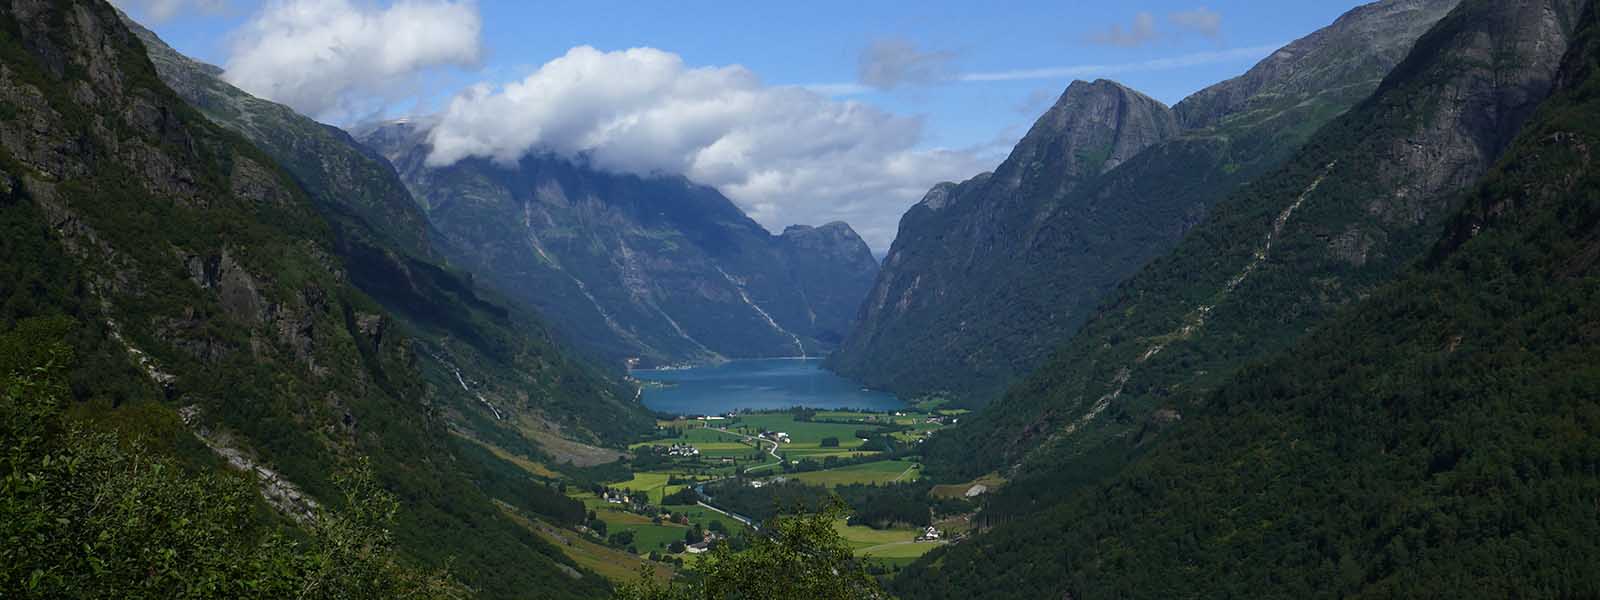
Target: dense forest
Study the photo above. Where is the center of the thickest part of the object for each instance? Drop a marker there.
(1436, 440)
(187, 271)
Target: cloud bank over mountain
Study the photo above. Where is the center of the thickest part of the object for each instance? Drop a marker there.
(786, 154)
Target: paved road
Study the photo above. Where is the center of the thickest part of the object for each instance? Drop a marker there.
(773, 450)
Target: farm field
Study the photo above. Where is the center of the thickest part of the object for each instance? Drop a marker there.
(647, 534)
(879, 472)
(958, 490)
(726, 439)
(862, 537)
(618, 566)
(656, 537)
(897, 547)
(654, 484)
(803, 433)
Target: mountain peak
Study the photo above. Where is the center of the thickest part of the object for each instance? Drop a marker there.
(1092, 128)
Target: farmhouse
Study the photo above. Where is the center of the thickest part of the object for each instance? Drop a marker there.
(929, 535)
(776, 436)
(683, 450)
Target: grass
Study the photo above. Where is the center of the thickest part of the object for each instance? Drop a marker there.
(802, 433)
(959, 490)
(652, 483)
(862, 537)
(647, 535)
(656, 537)
(911, 549)
(618, 566)
(532, 467)
(880, 472)
(821, 453)
(712, 444)
(888, 546)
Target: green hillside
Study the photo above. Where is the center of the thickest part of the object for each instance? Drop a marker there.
(200, 281)
(1438, 439)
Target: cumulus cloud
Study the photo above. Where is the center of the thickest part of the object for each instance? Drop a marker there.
(161, 10)
(785, 154)
(338, 60)
(890, 63)
(1201, 21)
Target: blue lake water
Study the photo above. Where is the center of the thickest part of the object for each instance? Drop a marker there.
(757, 385)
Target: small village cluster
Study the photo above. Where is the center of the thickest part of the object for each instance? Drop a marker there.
(684, 450)
(705, 543)
(776, 436)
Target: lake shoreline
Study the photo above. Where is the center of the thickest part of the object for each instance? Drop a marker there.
(756, 384)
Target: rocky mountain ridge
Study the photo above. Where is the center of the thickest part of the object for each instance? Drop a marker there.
(988, 277)
(1378, 455)
(1360, 201)
(656, 270)
(384, 237)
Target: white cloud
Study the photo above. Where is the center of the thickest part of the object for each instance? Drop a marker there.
(890, 63)
(338, 60)
(1203, 21)
(157, 11)
(1141, 32)
(785, 154)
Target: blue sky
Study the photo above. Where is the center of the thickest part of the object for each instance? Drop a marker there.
(961, 80)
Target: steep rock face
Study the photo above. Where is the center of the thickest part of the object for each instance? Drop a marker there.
(358, 192)
(925, 326)
(1356, 51)
(815, 256)
(988, 277)
(1379, 457)
(195, 272)
(1362, 199)
(384, 238)
(653, 268)
(1091, 129)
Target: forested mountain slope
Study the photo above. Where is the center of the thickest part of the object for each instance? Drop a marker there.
(987, 278)
(198, 278)
(508, 354)
(1439, 439)
(1363, 198)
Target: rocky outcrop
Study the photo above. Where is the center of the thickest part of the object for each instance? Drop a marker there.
(356, 190)
(656, 269)
(1106, 181)
(832, 267)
